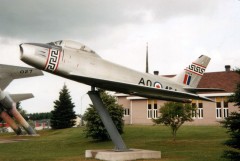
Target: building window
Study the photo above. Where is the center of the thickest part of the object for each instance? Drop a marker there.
(152, 111)
(149, 111)
(225, 104)
(155, 112)
(218, 108)
(221, 108)
(198, 112)
(194, 112)
(225, 112)
(126, 111)
(225, 108)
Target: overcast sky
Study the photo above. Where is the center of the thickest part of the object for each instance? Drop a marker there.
(177, 32)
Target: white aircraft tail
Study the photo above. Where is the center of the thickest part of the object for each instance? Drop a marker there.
(191, 76)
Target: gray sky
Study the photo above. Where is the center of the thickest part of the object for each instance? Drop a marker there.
(177, 31)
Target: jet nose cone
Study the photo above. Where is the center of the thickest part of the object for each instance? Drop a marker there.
(34, 54)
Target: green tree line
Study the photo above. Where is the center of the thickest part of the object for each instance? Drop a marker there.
(39, 116)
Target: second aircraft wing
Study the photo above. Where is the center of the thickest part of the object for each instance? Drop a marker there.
(9, 72)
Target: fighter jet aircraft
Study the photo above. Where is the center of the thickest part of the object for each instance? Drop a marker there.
(77, 62)
(8, 101)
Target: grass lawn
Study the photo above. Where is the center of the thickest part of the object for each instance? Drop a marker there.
(194, 143)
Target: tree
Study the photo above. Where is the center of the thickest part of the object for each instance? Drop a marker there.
(94, 126)
(174, 114)
(236, 96)
(39, 116)
(63, 115)
(232, 124)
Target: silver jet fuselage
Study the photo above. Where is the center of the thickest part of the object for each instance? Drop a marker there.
(77, 62)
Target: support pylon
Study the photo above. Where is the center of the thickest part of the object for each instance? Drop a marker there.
(5, 116)
(21, 120)
(107, 121)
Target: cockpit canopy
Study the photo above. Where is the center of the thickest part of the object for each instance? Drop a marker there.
(73, 45)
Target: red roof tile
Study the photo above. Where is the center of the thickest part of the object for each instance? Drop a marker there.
(224, 80)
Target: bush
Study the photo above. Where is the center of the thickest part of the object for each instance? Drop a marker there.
(94, 126)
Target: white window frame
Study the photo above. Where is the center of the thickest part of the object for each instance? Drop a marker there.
(198, 112)
(218, 113)
(152, 109)
(225, 112)
(155, 111)
(225, 109)
(194, 112)
(126, 111)
(218, 109)
(149, 111)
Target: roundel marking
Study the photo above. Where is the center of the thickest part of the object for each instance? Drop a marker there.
(157, 85)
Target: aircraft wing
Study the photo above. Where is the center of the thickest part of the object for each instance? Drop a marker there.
(143, 91)
(20, 97)
(9, 72)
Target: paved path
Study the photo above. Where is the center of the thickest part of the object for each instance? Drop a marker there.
(2, 141)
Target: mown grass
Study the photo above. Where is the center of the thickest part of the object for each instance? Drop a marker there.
(194, 143)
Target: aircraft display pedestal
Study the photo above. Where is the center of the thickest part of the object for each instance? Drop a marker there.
(132, 154)
(120, 152)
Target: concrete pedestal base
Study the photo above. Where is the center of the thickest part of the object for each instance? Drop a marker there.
(132, 154)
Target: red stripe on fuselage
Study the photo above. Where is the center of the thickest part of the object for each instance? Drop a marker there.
(47, 59)
(58, 60)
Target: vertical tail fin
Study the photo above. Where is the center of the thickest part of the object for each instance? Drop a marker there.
(194, 72)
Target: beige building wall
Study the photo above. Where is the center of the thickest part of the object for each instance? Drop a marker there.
(138, 111)
(126, 105)
(209, 115)
(233, 108)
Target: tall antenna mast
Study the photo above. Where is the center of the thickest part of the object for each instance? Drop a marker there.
(147, 59)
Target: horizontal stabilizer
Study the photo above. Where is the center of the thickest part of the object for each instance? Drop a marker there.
(21, 97)
(195, 90)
